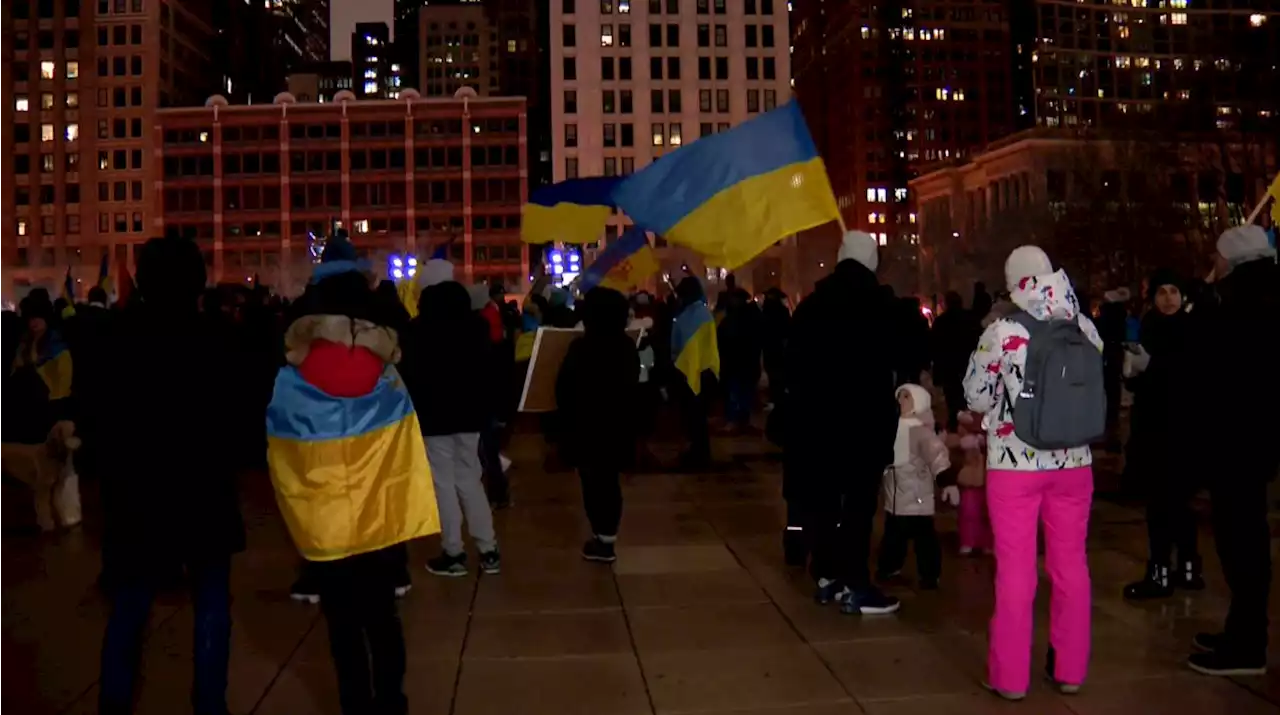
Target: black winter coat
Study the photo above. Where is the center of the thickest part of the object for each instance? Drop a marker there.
(1160, 417)
(166, 420)
(448, 363)
(841, 413)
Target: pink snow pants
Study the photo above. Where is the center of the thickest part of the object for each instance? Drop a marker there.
(1017, 502)
(975, 529)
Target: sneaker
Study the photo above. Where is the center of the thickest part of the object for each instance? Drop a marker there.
(1189, 576)
(1206, 642)
(491, 563)
(870, 602)
(446, 565)
(402, 591)
(303, 592)
(1154, 585)
(829, 590)
(1006, 694)
(1222, 663)
(599, 551)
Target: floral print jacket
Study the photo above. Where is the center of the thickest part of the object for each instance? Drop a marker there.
(995, 370)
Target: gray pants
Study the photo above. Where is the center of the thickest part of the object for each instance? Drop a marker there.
(455, 469)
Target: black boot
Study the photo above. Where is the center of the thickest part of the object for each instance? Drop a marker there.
(1190, 577)
(1155, 585)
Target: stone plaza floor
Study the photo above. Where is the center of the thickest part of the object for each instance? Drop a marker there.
(698, 615)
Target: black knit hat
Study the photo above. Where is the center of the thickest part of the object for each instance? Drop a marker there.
(1163, 277)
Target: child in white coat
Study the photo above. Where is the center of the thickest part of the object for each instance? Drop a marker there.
(920, 458)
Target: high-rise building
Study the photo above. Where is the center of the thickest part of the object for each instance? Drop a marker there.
(893, 86)
(632, 80)
(259, 186)
(301, 31)
(377, 71)
(84, 80)
(320, 81)
(1174, 64)
(457, 48)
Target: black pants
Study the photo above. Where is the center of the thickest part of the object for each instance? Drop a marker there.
(602, 498)
(357, 596)
(899, 531)
(694, 411)
(840, 531)
(1170, 520)
(1243, 539)
(953, 392)
(495, 477)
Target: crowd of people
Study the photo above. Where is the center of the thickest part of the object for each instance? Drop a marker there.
(363, 395)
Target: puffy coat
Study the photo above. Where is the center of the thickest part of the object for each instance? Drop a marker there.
(909, 481)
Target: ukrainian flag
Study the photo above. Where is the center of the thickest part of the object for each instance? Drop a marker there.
(104, 274)
(350, 473)
(69, 294)
(623, 264)
(572, 211)
(693, 343)
(730, 196)
(54, 367)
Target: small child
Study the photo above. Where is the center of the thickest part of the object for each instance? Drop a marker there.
(975, 527)
(919, 458)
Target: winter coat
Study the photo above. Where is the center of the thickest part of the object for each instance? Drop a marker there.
(841, 413)
(954, 336)
(449, 363)
(1236, 375)
(971, 442)
(995, 371)
(739, 337)
(1159, 419)
(597, 390)
(167, 420)
(909, 487)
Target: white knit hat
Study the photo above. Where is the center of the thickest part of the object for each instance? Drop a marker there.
(1023, 262)
(861, 247)
(1242, 244)
(435, 272)
(920, 398)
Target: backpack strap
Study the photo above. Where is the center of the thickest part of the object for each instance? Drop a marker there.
(1030, 324)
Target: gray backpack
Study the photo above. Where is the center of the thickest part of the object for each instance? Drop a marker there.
(1063, 402)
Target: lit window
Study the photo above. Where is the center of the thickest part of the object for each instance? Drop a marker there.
(73, 69)
(22, 227)
(882, 239)
(371, 73)
(1179, 18)
(606, 35)
(21, 103)
(73, 99)
(873, 217)
(675, 135)
(657, 135)
(882, 195)
(370, 87)
(511, 45)
(871, 194)
(46, 132)
(204, 137)
(73, 132)
(624, 6)
(46, 100)
(46, 69)
(360, 225)
(1257, 19)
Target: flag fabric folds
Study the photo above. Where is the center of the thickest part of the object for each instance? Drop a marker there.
(731, 195)
(350, 473)
(125, 283)
(104, 273)
(55, 368)
(693, 343)
(623, 264)
(69, 294)
(1274, 191)
(407, 291)
(572, 211)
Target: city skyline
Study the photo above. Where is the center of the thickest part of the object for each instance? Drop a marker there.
(346, 14)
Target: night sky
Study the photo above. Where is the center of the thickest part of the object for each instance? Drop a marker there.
(344, 16)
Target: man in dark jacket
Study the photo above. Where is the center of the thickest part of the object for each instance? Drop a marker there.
(775, 325)
(597, 391)
(954, 336)
(841, 420)
(448, 367)
(168, 489)
(739, 337)
(1237, 394)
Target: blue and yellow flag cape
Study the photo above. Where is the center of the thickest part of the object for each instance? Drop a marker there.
(731, 195)
(54, 367)
(350, 473)
(693, 343)
(623, 264)
(572, 211)
(69, 294)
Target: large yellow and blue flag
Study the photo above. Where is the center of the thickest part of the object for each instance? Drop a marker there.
(731, 195)
(624, 263)
(69, 294)
(350, 473)
(572, 211)
(693, 343)
(104, 273)
(54, 367)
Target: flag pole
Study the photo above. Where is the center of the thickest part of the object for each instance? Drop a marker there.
(1258, 209)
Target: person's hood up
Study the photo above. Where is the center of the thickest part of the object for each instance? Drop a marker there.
(444, 302)
(1047, 296)
(604, 310)
(923, 403)
(435, 272)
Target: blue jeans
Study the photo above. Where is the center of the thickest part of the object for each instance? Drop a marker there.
(122, 645)
(740, 394)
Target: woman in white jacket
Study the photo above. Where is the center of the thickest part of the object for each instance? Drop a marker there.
(1026, 485)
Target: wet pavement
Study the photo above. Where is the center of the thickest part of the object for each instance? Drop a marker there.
(698, 615)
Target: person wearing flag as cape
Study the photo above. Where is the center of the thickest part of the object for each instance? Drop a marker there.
(350, 470)
(697, 357)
